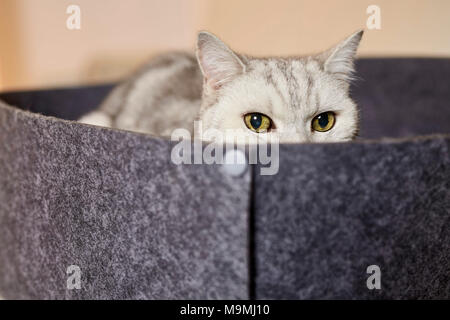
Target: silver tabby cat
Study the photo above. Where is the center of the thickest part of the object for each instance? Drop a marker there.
(298, 99)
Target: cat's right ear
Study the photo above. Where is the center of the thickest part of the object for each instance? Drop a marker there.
(219, 64)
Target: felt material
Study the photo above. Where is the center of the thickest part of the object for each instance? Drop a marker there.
(64, 103)
(402, 97)
(334, 210)
(112, 203)
(138, 226)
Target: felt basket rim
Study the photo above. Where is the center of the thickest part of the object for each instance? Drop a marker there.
(392, 140)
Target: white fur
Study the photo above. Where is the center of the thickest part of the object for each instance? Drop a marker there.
(292, 115)
(96, 118)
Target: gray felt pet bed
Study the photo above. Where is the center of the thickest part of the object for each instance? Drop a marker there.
(138, 226)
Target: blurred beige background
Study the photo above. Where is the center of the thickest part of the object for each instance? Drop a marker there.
(38, 50)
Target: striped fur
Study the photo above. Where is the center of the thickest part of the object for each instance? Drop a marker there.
(219, 86)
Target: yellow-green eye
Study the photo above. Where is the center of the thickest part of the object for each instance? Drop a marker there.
(258, 122)
(323, 122)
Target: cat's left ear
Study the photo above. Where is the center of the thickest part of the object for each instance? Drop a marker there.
(219, 64)
(339, 59)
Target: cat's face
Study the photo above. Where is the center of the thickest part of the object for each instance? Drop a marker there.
(294, 99)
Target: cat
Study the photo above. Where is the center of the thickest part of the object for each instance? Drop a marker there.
(297, 99)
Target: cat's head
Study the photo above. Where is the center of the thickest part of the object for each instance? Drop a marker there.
(298, 99)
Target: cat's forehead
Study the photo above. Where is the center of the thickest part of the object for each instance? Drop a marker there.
(293, 78)
(288, 67)
(290, 76)
(289, 86)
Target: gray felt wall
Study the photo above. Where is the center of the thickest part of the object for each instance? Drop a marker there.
(139, 226)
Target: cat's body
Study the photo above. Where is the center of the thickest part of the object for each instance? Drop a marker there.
(229, 91)
(162, 96)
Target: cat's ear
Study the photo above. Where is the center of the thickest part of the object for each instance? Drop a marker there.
(218, 63)
(339, 59)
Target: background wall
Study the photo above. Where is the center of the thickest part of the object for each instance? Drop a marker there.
(38, 50)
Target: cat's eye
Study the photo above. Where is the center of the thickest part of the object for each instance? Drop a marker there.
(258, 122)
(323, 122)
